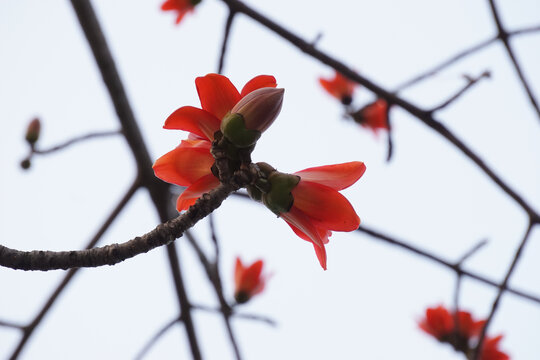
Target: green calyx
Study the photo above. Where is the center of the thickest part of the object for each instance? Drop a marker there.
(234, 129)
(280, 199)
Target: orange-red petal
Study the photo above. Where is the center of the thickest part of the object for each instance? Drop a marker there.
(185, 164)
(248, 279)
(297, 219)
(320, 251)
(325, 206)
(194, 120)
(258, 82)
(337, 177)
(217, 94)
(193, 192)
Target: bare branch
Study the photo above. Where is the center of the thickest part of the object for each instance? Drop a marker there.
(9, 324)
(226, 33)
(505, 38)
(76, 140)
(155, 338)
(470, 83)
(441, 261)
(502, 289)
(253, 317)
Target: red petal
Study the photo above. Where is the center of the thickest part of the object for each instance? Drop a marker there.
(320, 251)
(258, 82)
(217, 94)
(194, 120)
(192, 193)
(324, 234)
(304, 224)
(337, 177)
(238, 272)
(185, 164)
(325, 206)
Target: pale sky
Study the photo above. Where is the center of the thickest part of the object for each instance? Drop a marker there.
(366, 305)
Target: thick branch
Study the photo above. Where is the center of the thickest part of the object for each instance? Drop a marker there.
(112, 254)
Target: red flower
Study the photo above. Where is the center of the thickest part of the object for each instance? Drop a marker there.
(339, 87)
(373, 116)
(490, 349)
(310, 203)
(440, 323)
(182, 7)
(190, 163)
(248, 280)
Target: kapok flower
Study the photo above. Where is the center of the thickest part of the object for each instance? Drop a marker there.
(190, 163)
(490, 349)
(310, 203)
(373, 116)
(441, 324)
(182, 7)
(339, 87)
(248, 280)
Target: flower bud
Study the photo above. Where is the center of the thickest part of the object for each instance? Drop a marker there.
(252, 115)
(279, 199)
(32, 131)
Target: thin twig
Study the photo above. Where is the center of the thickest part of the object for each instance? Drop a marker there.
(502, 289)
(156, 337)
(433, 71)
(253, 317)
(504, 37)
(225, 42)
(76, 140)
(212, 272)
(214, 239)
(471, 252)
(29, 329)
(441, 261)
(9, 324)
(526, 30)
(457, 95)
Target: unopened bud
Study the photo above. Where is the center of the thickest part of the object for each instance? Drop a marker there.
(252, 115)
(25, 164)
(32, 131)
(280, 199)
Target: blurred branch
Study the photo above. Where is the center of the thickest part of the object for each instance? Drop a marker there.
(422, 115)
(212, 272)
(155, 338)
(502, 288)
(76, 140)
(433, 71)
(253, 317)
(470, 83)
(28, 330)
(526, 30)
(228, 25)
(11, 325)
(441, 261)
(504, 36)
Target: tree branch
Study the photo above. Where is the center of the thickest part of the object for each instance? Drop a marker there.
(76, 140)
(163, 234)
(226, 33)
(441, 261)
(470, 83)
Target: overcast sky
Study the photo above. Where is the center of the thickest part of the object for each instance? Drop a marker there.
(366, 305)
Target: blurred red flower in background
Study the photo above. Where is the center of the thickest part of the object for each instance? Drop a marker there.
(248, 280)
(182, 7)
(373, 116)
(339, 87)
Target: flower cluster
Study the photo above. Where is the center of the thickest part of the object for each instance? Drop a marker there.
(460, 330)
(373, 116)
(222, 134)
